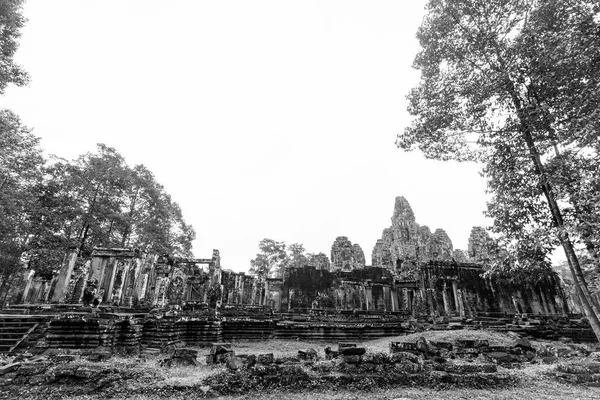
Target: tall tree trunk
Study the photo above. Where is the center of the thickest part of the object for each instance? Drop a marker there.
(579, 280)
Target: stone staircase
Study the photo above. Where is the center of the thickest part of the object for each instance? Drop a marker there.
(14, 329)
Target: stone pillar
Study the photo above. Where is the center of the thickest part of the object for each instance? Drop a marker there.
(461, 304)
(455, 293)
(63, 279)
(368, 298)
(141, 294)
(394, 295)
(445, 299)
(28, 278)
(544, 301)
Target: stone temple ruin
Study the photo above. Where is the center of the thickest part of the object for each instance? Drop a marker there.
(416, 278)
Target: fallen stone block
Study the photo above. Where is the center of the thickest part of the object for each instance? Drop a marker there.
(235, 363)
(472, 343)
(268, 358)
(403, 357)
(186, 361)
(353, 351)
(32, 369)
(62, 358)
(402, 346)
(500, 357)
(524, 344)
(442, 345)
(8, 368)
(184, 352)
(310, 354)
(220, 348)
(352, 359)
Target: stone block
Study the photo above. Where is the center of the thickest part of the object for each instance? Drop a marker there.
(523, 343)
(404, 357)
(185, 352)
(353, 351)
(265, 358)
(310, 354)
(408, 368)
(472, 343)
(86, 373)
(62, 358)
(500, 357)
(235, 363)
(223, 357)
(8, 368)
(345, 345)
(32, 369)
(220, 348)
(442, 345)
(352, 359)
(402, 347)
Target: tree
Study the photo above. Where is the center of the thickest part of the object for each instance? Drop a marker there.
(113, 205)
(20, 171)
(271, 259)
(513, 84)
(296, 256)
(11, 21)
(319, 260)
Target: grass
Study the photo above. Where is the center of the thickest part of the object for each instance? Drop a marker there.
(160, 382)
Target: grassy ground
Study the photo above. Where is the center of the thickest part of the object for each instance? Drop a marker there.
(161, 381)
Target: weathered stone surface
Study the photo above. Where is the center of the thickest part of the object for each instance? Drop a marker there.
(481, 245)
(500, 357)
(310, 354)
(523, 343)
(359, 256)
(346, 256)
(235, 363)
(8, 368)
(403, 356)
(185, 352)
(353, 351)
(268, 358)
(406, 243)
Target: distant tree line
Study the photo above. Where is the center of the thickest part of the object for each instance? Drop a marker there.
(274, 257)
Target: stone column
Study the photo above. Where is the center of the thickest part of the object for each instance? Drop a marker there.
(445, 299)
(290, 296)
(63, 279)
(455, 293)
(368, 298)
(394, 296)
(141, 294)
(28, 278)
(109, 282)
(461, 304)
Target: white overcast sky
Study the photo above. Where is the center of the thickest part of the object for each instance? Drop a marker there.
(263, 119)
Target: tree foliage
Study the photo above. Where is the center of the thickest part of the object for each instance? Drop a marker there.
(274, 257)
(515, 85)
(58, 207)
(21, 162)
(271, 259)
(11, 22)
